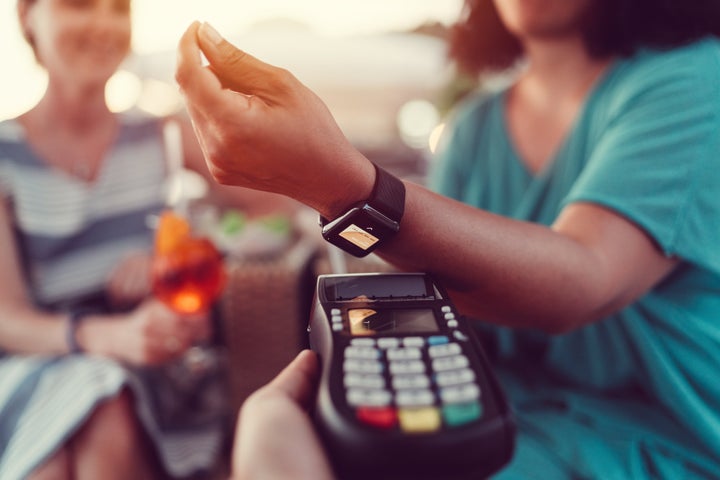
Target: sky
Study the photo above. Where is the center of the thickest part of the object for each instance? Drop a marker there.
(158, 25)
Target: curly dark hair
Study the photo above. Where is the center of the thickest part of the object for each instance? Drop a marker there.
(480, 43)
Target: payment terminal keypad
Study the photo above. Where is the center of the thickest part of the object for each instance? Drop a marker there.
(405, 392)
(418, 384)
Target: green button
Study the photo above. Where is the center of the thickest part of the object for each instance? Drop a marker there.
(460, 414)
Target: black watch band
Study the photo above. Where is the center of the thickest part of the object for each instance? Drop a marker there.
(388, 195)
(366, 225)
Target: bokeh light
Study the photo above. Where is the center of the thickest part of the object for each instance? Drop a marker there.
(416, 120)
(122, 91)
(159, 98)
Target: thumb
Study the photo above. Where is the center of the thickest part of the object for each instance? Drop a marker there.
(238, 70)
(299, 379)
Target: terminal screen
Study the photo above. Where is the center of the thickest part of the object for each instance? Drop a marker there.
(362, 288)
(369, 321)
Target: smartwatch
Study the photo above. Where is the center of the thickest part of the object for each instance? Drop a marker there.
(366, 225)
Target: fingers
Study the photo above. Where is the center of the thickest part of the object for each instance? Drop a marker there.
(169, 332)
(172, 345)
(199, 326)
(299, 379)
(239, 70)
(212, 108)
(198, 83)
(188, 329)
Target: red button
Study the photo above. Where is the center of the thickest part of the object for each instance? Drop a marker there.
(380, 417)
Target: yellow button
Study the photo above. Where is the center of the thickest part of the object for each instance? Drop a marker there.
(419, 420)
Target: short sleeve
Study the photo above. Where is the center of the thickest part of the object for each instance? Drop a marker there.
(4, 180)
(8, 139)
(658, 162)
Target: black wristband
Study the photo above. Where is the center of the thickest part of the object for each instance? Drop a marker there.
(367, 224)
(73, 322)
(387, 196)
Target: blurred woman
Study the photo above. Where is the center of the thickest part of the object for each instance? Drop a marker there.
(608, 130)
(84, 348)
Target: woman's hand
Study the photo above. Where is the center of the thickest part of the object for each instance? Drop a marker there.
(274, 436)
(259, 127)
(129, 282)
(149, 335)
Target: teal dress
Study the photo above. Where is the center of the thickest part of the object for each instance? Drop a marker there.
(637, 394)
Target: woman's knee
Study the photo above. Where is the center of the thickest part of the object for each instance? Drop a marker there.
(112, 443)
(113, 422)
(57, 467)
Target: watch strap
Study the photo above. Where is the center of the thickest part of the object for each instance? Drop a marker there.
(388, 195)
(73, 322)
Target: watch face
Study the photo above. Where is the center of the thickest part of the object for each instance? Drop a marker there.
(359, 237)
(360, 230)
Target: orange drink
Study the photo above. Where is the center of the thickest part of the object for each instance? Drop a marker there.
(188, 272)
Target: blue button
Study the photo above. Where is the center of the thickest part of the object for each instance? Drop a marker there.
(437, 340)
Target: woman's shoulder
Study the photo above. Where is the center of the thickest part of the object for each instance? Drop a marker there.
(696, 64)
(13, 146)
(698, 56)
(687, 75)
(11, 132)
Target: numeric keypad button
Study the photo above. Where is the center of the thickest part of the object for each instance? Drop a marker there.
(404, 354)
(403, 382)
(358, 397)
(450, 363)
(352, 365)
(454, 377)
(407, 367)
(460, 393)
(369, 381)
(388, 342)
(362, 353)
(414, 398)
(449, 349)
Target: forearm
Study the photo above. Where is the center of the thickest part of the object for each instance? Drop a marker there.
(502, 270)
(28, 331)
(513, 273)
(590, 263)
(25, 330)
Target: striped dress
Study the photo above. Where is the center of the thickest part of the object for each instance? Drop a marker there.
(70, 235)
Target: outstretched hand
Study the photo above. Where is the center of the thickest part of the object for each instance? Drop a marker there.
(259, 127)
(275, 437)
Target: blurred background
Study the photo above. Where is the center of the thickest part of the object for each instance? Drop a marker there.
(380, 65)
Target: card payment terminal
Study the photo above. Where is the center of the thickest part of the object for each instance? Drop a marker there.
(405, 390)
